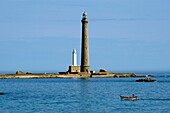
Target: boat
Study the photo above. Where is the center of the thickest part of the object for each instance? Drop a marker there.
(133, 97)
(147, 79)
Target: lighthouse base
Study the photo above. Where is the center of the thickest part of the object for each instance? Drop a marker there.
(85, 69)
(74, 69)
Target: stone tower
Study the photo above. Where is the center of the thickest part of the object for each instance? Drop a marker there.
(85, 63)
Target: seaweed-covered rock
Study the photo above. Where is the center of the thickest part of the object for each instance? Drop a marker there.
(147, 79)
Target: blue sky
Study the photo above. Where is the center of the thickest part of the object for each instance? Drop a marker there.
(124, 35)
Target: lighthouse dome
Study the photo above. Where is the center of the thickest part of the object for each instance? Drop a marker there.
(84, 15)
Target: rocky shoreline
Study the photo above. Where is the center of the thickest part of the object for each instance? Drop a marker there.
(78, 75)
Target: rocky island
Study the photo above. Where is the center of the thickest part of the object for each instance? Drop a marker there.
(101, 74)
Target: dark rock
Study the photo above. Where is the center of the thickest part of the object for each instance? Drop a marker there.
(147, 79)
(19, 72)
(103, 70)
(28, 73)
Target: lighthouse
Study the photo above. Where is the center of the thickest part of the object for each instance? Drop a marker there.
(85, 63)
(74, 68)
(74, 57)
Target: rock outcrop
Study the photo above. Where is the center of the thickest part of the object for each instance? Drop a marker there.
(147, 79)
(103, 70)
(19, 72)
(28, 73)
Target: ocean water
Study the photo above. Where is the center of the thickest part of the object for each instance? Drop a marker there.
(95, 95)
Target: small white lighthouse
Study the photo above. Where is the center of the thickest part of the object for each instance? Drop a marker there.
(74, 60)
(74, 68)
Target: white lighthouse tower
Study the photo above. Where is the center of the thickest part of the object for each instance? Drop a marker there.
(74, 68)
(74, 58)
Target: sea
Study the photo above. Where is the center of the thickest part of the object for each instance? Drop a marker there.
(94, 95)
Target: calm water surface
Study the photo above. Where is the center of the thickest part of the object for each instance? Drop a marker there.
(99, 95)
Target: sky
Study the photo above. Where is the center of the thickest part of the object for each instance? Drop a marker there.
(124, 35)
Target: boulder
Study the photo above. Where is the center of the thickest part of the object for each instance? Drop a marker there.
(19, 72)
(103, 70)
(28, 73)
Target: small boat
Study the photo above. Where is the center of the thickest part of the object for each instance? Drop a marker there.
(147, 79)
(129, 97)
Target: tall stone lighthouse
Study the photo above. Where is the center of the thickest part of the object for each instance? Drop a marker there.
(85, 63)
